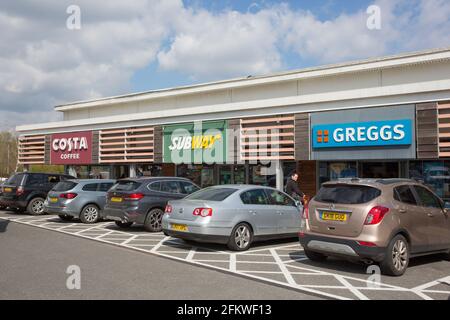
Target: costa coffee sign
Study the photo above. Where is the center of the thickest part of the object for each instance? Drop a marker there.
(71, 148)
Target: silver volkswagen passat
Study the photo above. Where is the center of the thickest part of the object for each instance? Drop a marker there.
(83, 199)
(236, 215)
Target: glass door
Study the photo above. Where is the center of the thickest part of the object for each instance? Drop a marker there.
(379, 170)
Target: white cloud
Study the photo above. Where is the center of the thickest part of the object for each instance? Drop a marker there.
(42, 63)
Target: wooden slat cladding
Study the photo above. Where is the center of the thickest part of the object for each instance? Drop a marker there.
(128, 145)
(302, 136)
(31, 150)
(267, 138)
(427, 130)
(443, 119)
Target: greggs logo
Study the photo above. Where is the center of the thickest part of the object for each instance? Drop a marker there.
(359, 134)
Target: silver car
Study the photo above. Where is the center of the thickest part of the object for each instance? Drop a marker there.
(83, 199)
(235, 215)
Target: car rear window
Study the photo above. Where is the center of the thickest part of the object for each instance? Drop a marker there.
(14, 180)
(347, 194)
(125, 185)
(64, 186)
(212, 194)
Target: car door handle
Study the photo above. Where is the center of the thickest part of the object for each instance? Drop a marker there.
(279, 212)
(402, 210)
(252, 212)
(430, 215)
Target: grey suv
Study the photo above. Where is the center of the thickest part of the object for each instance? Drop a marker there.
(83, 199)
(386, 221)
(143, 200)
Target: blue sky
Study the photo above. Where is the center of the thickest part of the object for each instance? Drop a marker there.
(141, 45)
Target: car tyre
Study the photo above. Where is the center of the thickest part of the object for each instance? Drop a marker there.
(36, 207)
(65, 217)
(153, 221)
(315, 256)
(397, 257)
(241, 237)
(90, 214)
(446, 255)
(123, 225)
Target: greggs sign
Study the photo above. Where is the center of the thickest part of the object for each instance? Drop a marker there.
(363, 134)
(71, 148)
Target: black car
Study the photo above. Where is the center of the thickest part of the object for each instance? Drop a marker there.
(27, 191)
(143, 200)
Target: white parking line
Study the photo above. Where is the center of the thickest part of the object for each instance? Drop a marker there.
(191, 253)
(349, 286)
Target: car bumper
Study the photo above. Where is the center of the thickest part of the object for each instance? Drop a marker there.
(61, 211)
(341, 247)
(201, 230)
(122, 215)
(15, 204)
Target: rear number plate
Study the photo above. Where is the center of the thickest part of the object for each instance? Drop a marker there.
(116, 199)
(334, 216)
(53, 200)
(7, 190)
(179, 227)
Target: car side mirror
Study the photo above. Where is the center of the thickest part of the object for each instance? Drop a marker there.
(298, 203)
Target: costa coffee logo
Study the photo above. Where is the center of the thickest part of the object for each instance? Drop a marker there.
(75, 143)
(71, 148)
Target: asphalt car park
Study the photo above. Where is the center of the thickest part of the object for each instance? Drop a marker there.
(279, 263)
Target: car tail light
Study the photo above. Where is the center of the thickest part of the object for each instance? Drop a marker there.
(134, 196)
(168, 209)
(301, 234)
(375, 215)
(306, 211)
(366, 244)
(68, 196)
(19, 191)
(203, 212)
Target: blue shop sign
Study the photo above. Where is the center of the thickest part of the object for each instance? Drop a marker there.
(362, 134)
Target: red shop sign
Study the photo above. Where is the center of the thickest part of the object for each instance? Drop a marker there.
(71, 148)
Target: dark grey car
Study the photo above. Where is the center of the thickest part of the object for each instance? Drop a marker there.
(143, 200)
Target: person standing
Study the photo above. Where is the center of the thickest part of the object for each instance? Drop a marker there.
(293, 189)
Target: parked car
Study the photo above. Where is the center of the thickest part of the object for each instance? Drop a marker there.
(2, 206)
(142, 200)
(83, 199)
(386, 221)
(27, 191)
(236, 215)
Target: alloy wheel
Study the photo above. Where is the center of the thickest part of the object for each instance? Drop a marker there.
(242, 237)
(155, 220)
(90, 214)
(399, 255)
(38, 207)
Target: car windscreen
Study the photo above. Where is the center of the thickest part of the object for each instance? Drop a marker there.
(125, 185)
(346, 194)
(64, 186)
(15, 180)
(212, 194)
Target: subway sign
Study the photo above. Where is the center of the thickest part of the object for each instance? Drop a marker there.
(195, 143)
(363, 134)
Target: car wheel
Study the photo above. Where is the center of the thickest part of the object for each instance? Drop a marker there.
(397, 257)
(36, 206)
(315, 256)
(446, 255)
(65, 217)
(153, 222)
(121, 224)
(90, 214)
(241, 238)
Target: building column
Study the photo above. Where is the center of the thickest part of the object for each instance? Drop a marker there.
(279, 175)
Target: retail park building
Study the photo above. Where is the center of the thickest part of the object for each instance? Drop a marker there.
(384, 117)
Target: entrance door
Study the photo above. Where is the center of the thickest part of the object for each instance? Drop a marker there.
(379, 170)
(225, 174)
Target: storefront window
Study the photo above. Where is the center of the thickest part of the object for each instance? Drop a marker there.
(435, 174)
(329, 171)
(82, 172)
(258, 175)
(100, 172)
(148, 170)
(201, 175)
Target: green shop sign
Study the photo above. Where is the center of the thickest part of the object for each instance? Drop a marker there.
(198, 142)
